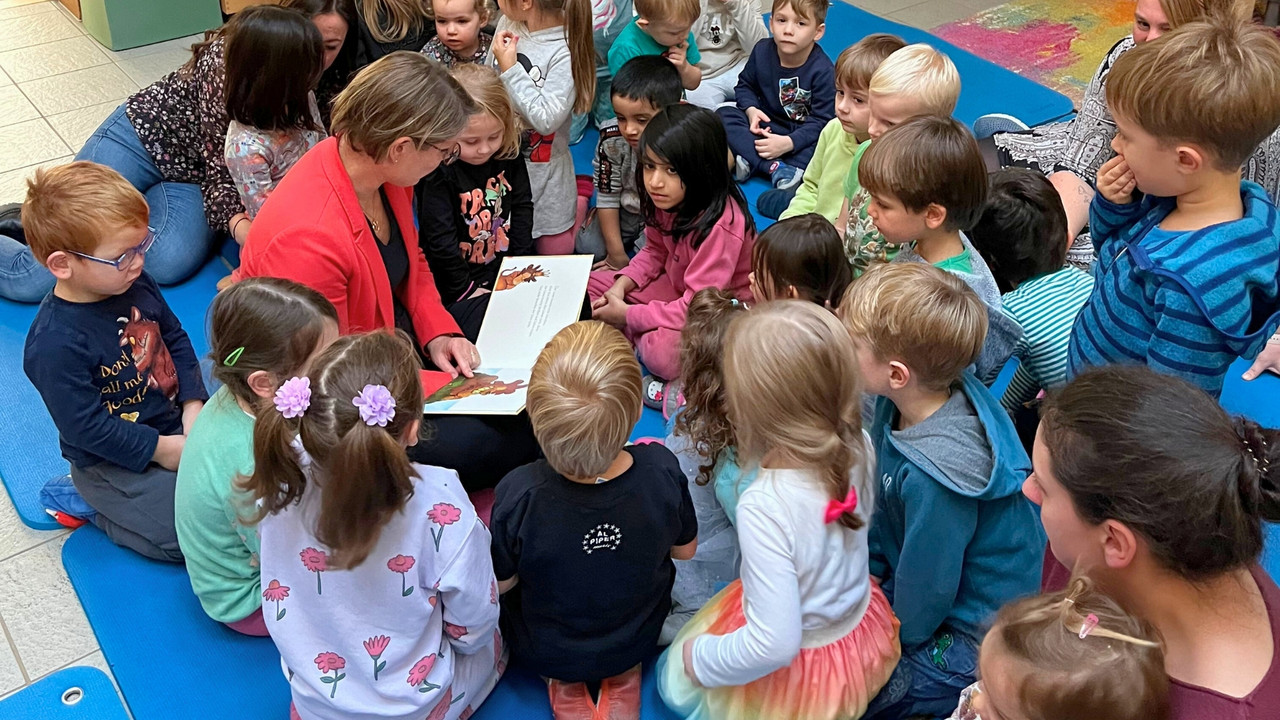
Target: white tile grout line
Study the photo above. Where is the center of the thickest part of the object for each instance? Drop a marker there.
(56, 534)
(26, 678)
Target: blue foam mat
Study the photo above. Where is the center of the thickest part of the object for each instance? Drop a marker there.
(32, 457)
(77, 693)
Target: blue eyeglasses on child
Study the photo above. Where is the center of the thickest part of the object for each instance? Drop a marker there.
(127, 258)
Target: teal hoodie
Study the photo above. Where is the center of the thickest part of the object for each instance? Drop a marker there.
(953, 538)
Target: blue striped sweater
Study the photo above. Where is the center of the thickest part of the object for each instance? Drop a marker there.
(1182, 303)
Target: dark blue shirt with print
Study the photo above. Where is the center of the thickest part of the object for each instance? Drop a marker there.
(113, 374)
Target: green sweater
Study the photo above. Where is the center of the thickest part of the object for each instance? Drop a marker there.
(822, 191)
(221, 553)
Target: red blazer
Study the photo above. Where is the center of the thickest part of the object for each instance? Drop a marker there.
(312, 231)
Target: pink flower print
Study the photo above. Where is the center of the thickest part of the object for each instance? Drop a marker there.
(455, 631)
(375, 646)
(467, 712)
(331, 662)
(498, 665)
(442, 514)
(418, 675)
(433, 599)
(317, 562)
(493, 593)
(402, 564)
(276, 592)
(442, 708)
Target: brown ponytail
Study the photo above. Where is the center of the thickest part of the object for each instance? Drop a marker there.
(367, 477)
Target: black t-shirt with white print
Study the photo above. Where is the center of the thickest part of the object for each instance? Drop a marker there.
(594, 563)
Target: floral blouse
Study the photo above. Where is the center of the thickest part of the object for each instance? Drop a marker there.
(182, 122)
(258, 159)
(436, 50)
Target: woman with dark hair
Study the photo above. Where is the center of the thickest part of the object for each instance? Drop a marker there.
(341, 222)
(1155, 493)
(698, 234)
(167, 141)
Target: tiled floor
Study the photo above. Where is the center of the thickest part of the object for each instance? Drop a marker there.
(56, 85)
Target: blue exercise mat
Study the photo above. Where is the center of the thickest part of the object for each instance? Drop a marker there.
(77, 693)
(31, 457)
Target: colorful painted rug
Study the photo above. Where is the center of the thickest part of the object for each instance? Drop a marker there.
(1057, 44)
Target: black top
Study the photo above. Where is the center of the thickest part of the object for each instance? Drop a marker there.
(594, 563)
(395, 258)
(366, 48)
(113, 374)
(471, 217)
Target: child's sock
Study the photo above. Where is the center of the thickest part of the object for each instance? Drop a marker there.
(784, 176)
(741, 168)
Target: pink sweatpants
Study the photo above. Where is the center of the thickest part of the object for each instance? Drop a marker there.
(659, 349)
(253, 625)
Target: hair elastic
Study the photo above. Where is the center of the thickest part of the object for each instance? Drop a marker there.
(734, 302)
(234, 357)
(1263, 463)
(376, 405)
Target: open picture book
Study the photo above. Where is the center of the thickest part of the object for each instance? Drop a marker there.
(533, 299)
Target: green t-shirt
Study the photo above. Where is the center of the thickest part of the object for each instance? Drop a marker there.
(221, 553)
(962, 263)
(863, 243)
(634, 42)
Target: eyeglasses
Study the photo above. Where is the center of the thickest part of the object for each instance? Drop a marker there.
(449, 156)
(125, 260)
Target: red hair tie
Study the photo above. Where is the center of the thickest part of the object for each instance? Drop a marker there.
(837, 508)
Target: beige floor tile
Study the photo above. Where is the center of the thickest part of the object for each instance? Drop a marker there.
(45, 621)
(14, 106)
(4, 79)
(13, 185)
(11, 677)
(13, 11)
(40, 61)
(182, 44)
(884, 8)
(29, 143)
(17, 3)
(14, 536)
(76, 126)
(931, 13)
(146, 69)
(78, 89)
(36, 29)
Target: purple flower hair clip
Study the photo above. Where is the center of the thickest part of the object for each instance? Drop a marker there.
(376, 405)
(294, 397)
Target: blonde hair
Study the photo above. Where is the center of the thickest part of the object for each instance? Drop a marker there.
(73, 207)
(403, 94)
(920, 72)
(489, 95)
(391, 21)
(858, 62)
(811, 10)
(919, 315)
(1084, 657)
(484, 8)
(792, 391)
(673, 11)
(1209, 82)
(1181, 12)
(584, 398)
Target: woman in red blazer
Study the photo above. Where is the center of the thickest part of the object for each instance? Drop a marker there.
(341, 222)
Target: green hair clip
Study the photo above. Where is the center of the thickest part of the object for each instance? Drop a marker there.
(233, 357)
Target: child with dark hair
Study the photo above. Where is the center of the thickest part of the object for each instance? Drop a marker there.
(928, 184)
(785, 96)
(800, 258)
(1020, 234)
(699, 233)
(262, 331)
(274, 60)
(644, 85)
(373, 564)
(1147, 485)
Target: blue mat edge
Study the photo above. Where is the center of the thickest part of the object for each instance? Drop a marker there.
(91, 682)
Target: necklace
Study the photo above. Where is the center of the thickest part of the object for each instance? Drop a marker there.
(373, 224)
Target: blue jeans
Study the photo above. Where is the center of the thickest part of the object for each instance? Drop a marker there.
(183, 237)
(928, 679)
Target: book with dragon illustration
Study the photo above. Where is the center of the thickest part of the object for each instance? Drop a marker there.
(532, 299)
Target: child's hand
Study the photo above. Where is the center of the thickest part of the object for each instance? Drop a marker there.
(610, 308)
(771, 146)
(686, 652)
(169, 451)
(190, 409)
(1116, 182)
(755, 116)
(504, 50)
(677, 54)
(612, 262)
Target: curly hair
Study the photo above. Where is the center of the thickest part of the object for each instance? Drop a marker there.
(704, 419)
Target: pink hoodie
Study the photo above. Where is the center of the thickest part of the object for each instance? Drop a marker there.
(723, 260)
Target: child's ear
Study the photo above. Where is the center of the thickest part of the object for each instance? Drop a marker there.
(642, 23)
(935, 216)
(792, 293)
(262, 383)
(1190, 159)
(899, 375)
(59, 264)
(410, 436)
(822, 30)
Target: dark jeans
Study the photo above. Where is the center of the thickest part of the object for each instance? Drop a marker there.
(743, 143)
(482, 448)
(928, 679)
(135, 510)
(773, 202)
